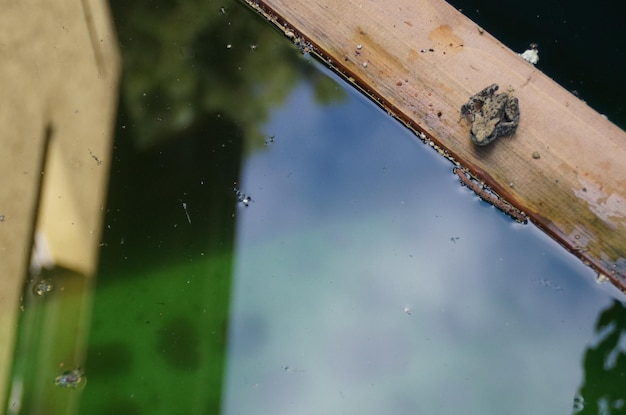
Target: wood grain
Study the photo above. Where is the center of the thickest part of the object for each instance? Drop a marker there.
(565, 167)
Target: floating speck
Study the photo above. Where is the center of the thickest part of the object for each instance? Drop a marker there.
(531, 55)
(242, 197)
(43, 287)
(71, 379)
(186, 211)
(93, 156)
(270, 140)
(246, 200)
(579, 403)
(601, 279)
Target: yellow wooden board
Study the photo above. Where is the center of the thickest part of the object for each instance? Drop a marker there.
(565, 167)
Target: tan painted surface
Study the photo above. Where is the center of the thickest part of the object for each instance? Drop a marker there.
(58, 78)
(422, 59)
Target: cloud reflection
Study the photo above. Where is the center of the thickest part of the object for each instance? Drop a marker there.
(353, 223)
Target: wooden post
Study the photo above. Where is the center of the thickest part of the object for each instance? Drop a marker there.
(565, 167)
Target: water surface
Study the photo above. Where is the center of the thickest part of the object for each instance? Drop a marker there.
(276, 244)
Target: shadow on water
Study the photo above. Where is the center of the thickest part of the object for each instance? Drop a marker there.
(200, 79)
(173, 198)
(168, 242)
(186, 60)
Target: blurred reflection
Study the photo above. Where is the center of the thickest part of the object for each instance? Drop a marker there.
(50, 343)
(200, 81)
(604, 365)
(186, 59)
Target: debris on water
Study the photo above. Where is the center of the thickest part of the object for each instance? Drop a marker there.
(303, 45)
(531, 55)
(2, 218)
(186, 212)
(549, 284)
(490, 196)
(242, 197)
(601, 278)
(96, 158)
(71, 379)
(245, 200)
(43, 287)
(579, 403)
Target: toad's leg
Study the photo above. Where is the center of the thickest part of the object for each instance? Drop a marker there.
(509, 123)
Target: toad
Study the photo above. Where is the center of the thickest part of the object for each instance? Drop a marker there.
(491, 115)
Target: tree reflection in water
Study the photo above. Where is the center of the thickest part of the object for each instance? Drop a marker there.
(604, 387)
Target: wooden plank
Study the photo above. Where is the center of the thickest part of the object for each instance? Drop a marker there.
(565, 167)
(58, 79)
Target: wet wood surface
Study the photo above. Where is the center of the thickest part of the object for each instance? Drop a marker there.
(565, 167)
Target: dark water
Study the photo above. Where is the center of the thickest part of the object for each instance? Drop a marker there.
(276, 244)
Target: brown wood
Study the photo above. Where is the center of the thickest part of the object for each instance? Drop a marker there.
(565, 167)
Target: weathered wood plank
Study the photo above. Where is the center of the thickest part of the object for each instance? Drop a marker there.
(422, 59)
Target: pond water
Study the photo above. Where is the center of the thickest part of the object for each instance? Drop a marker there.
(276, 244)
(367, 280)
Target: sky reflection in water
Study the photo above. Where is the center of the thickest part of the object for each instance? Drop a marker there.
(368, 280)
